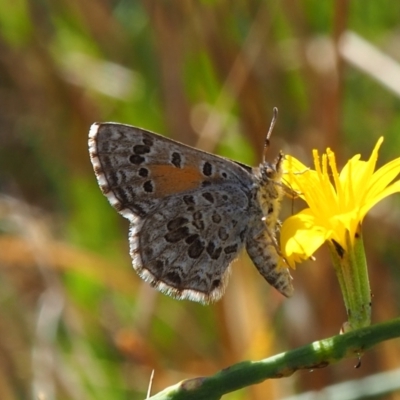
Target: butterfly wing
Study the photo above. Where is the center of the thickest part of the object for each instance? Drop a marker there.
(184, 248)
(188, 209)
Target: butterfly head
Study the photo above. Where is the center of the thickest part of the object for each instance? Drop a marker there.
(271, 171)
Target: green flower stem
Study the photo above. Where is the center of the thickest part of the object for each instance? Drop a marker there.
(315, 355)
(352, 272)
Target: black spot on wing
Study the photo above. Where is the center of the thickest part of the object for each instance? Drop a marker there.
(207, 169)
(173, 278)
(148, 141)
(231, 249)
(196, 248)
(136, 159)
(216, 283)
(140, 149)
(177, 235)
(143, 172)
(190, 239)
(208, 196)
(176, 223)
(213, 251)
(176, 160)
(148, 187)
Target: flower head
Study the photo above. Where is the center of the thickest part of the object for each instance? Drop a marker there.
(337, 202)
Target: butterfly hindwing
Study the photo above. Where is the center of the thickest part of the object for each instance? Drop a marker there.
(186, 246)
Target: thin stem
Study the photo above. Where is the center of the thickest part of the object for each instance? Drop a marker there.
(315, 355)
(352, 272)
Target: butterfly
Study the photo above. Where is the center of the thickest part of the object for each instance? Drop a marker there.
(191, 213)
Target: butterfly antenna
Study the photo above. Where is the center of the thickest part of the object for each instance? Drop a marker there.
(271, 128)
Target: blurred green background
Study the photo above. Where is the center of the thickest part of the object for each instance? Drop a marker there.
(76, 322)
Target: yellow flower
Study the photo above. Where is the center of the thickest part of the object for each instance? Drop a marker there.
(337, 202)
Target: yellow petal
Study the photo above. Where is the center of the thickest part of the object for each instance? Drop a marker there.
(383, 176)
(395, 188)
(300, 237)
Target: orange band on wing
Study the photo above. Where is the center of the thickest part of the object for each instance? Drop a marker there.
(170, 180)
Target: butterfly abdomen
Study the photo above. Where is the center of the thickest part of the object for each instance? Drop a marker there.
(262, 245)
